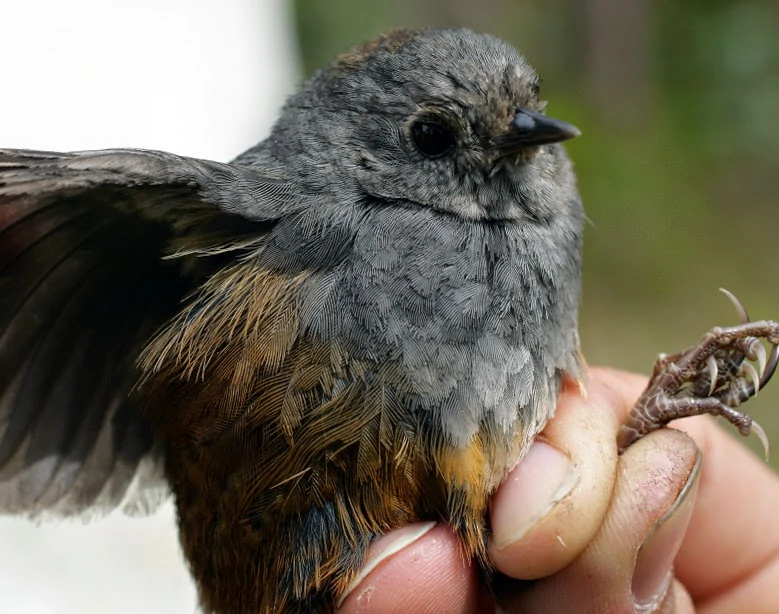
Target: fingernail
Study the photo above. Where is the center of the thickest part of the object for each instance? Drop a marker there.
(654, 565)
(543, 479)
(385, 547)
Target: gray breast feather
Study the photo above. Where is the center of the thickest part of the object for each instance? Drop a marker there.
(465, 307)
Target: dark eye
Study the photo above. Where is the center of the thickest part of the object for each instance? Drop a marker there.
(432, 138)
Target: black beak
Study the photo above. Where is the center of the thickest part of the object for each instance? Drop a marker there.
(530, 128)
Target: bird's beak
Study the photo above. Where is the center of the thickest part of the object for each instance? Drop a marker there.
(530, 128)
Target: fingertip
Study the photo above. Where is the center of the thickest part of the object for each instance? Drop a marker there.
(627, 565)
(523, 518)
(426, 575)
(552, 503)
(385, 547)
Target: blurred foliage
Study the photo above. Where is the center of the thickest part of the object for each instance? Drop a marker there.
(679, 162)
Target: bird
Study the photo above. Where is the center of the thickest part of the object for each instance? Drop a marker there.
(363, 321)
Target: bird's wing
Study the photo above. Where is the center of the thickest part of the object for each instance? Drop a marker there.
(83, 285)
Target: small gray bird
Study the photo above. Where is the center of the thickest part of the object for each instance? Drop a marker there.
(361, 322)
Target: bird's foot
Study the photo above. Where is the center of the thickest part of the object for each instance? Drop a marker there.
(713, 377)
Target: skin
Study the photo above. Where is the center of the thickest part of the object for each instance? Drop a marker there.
(724, 543)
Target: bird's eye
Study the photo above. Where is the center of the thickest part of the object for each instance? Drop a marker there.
(432, 138)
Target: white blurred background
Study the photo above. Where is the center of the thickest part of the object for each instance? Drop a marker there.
(194, 77)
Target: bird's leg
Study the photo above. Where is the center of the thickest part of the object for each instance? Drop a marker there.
(713, 377)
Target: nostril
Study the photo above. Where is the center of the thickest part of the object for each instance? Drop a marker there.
(522, 122)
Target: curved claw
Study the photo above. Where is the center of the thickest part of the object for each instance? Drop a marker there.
(740, 309)
(759, 432)
(755, 385)
(770, 367)
(751, 372)
(761, 357)
(711, 363)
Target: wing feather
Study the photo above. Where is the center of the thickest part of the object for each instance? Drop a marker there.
(84, 284)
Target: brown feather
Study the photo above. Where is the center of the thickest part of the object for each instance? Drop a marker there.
(268, 427)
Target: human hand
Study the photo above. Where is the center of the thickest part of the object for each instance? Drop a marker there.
(601, 533)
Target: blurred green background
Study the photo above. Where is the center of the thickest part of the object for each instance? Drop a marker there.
(678, 165)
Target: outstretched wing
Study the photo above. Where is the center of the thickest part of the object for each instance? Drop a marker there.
(83, 285)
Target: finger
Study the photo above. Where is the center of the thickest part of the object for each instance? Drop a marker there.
(551, 505)
(729, 560)
(418, 568)
(627, 566)
(730, 555)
